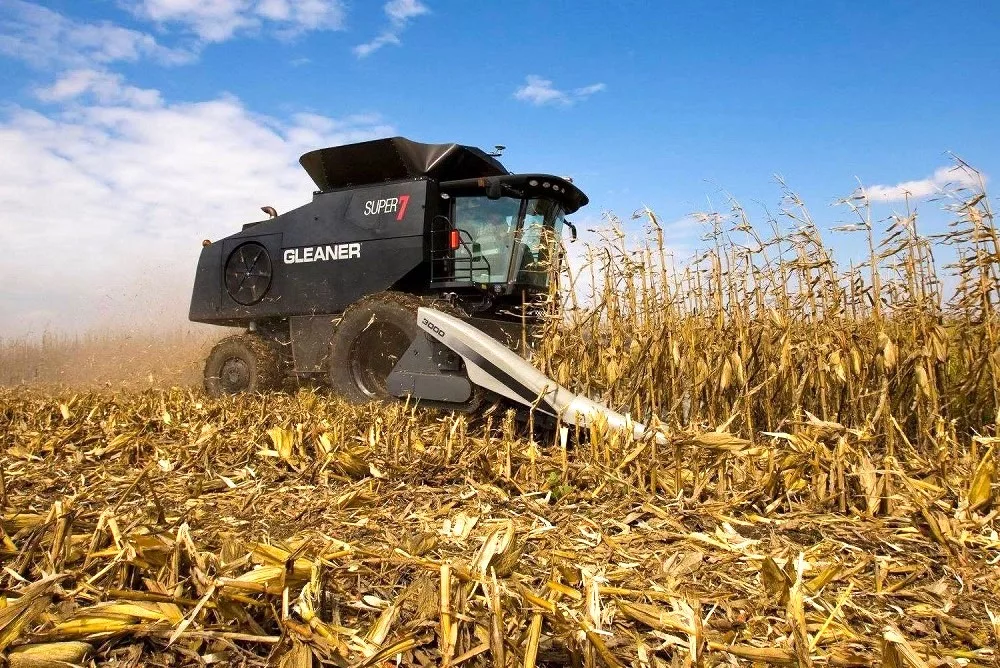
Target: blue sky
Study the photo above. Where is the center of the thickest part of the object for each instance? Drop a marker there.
(146, 124)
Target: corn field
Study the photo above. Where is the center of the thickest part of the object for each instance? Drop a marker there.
(761, 330)
(824, 494)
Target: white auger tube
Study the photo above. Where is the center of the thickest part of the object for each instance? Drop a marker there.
(496, 367)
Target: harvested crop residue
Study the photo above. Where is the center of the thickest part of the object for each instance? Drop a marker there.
(164, 528)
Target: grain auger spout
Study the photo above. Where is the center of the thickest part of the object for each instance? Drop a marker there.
(493, 366)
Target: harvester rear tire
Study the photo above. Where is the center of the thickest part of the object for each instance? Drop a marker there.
(371, 337)
(240, 364)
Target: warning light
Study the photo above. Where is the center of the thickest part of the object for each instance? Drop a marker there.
(453, 240)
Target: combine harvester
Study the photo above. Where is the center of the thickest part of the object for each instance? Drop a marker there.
(395, 281)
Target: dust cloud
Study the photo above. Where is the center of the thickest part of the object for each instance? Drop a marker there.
(137, 337)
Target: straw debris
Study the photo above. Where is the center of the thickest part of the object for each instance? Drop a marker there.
(247, 559)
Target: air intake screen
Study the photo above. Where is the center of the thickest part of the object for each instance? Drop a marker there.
(248, 273)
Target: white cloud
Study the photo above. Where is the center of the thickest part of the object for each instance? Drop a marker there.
(942, 179)
(368, 48)
(106, 200)
(539, 91)
(400, 13)
(45, 38)
(104, 87)
(587, 91)
(219, 20)
(107, 189)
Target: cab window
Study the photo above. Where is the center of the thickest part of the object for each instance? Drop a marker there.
(488, 228)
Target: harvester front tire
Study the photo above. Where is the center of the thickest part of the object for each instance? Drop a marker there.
(242, 363)
(372, 336)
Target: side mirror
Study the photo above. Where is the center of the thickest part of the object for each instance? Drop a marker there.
(572, 229)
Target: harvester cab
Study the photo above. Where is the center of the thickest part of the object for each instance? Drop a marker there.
(501, 234)
(395, 281)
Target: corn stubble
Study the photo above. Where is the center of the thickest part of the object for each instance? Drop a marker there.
(826, 494)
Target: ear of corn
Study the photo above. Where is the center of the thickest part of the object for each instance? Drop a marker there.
(49, 655)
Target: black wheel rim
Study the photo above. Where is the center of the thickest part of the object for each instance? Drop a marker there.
(373, 356)
(234, 376)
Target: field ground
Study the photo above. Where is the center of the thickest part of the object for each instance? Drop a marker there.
(163, 525)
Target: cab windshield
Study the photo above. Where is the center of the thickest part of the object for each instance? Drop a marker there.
(543, 222)
(498, 242)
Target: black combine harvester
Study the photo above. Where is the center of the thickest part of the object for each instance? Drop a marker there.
(396, 281)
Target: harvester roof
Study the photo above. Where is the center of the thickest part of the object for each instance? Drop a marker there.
(396, 158)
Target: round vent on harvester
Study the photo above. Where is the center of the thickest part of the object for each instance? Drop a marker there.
(248, 273)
